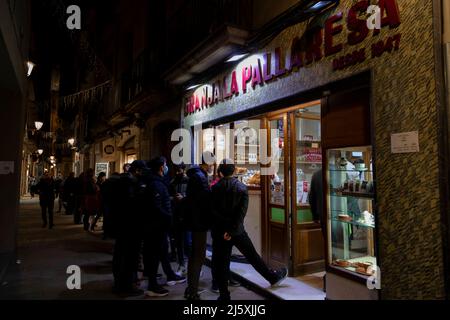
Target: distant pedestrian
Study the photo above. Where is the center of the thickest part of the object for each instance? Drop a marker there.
(46, 189)
(32, 182)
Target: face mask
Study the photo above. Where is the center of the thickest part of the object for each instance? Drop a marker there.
(166, 170)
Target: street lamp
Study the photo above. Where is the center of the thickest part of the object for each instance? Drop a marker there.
(40, 152)
(71, 141)
(38, 125)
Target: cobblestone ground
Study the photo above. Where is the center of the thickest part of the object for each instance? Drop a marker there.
(44, 256)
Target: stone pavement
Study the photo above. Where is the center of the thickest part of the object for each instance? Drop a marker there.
(44, 256)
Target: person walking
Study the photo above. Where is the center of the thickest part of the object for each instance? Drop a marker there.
(230, 199)
(46, 190)
(198, 217)
(157, 222)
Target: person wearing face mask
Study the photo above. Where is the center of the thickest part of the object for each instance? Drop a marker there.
(157, 223)
(198, 219)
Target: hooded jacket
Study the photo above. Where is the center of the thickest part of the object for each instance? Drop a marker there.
(198, 215)
(159, 213)
(230, 199)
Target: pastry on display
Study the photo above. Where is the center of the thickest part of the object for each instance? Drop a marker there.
(345, 218)
(240, 170)
(342, 263)
(255, 179)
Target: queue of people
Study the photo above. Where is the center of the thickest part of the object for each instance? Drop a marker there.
(146, 213)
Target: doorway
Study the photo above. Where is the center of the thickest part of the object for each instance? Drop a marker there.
(293, 237)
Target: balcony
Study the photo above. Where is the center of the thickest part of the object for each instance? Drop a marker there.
(201, 33)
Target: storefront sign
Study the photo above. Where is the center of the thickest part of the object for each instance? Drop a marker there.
(319, 44)
(407, 142)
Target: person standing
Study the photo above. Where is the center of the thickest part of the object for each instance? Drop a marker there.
(157, 222)
(32, 186)
(198, 219)
(316, 199)
(58, 188)
(230, 199)
(90, 193)
(178, 187)
(46, 190)
(124, 225)
(69, 193)
(100, 181)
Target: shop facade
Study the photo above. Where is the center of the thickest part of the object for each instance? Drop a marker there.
(335, 100)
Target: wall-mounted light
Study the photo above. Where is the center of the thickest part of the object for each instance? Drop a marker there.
(30, 66)
(71, 141)
(316, 6)
(38, 125)
(195, 86)
(237, 57)
(40, 152)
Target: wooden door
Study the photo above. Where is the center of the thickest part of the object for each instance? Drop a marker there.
(278, 206)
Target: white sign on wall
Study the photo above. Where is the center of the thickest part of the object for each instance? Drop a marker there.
(406, 142)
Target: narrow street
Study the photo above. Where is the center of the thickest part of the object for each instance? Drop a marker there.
(44, 256)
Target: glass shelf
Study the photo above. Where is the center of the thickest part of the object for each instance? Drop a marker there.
(354, 223)
(335, 193)
(346, 170)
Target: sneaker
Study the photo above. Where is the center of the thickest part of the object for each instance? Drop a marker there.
(280, 275)
(201, 290)
(157, 292)
(234, 283)
(181, 271)
(175, 280)
(215, 288)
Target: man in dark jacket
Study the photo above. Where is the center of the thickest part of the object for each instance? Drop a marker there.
(198, 218)
(46, 189)
(230, 199)
(157, 222)
(125, 220)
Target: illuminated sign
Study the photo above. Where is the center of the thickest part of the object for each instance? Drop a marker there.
(320, 43)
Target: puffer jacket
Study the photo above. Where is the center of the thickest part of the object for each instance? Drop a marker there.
(158, 215)
(198, 214)
(230, 199)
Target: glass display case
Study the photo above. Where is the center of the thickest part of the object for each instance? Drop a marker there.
(246, 152)
(350, 205)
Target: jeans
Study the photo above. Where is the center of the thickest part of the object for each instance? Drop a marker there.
(221, 259)
(156, 250)
(125, 262)
(47, 207)
(196, 260)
